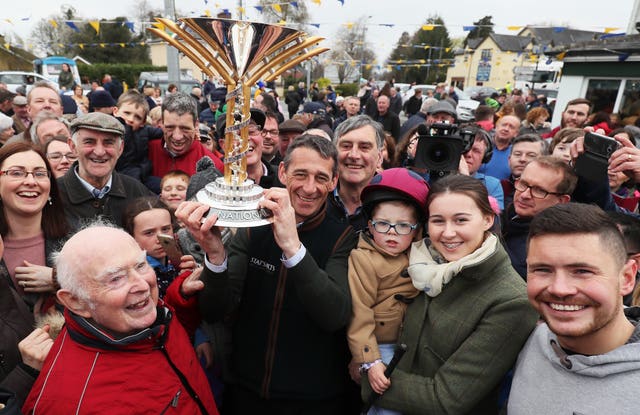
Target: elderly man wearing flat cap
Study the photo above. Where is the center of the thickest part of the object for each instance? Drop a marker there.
(91, 188)
(21, 119)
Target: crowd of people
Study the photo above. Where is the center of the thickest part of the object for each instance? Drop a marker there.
(509, 282)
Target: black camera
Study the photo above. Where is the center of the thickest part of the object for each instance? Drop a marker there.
(593, 163)
(440, 146)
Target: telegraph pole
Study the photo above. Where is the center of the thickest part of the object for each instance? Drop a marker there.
(173, 62)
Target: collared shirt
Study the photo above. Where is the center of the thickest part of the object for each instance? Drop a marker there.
(357, 219)
(97, 193)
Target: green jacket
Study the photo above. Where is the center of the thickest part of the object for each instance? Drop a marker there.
(461, 343)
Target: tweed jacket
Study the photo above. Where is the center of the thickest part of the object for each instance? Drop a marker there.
(462, 342)
(375, 281)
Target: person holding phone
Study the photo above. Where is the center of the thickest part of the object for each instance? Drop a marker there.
(148, 219)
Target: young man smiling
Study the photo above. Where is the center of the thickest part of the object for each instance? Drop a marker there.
(585, 357)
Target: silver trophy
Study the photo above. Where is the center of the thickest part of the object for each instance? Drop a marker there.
(241, 53)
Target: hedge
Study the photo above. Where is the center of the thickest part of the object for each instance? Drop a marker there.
(128, 73)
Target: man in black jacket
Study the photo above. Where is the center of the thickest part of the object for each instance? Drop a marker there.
(286, 287)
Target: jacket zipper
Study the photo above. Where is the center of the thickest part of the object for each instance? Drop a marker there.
(173, 403)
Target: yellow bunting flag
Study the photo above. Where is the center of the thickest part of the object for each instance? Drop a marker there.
(277, 8)
(96, 25)
(122, 45)
(207, 12)
(81, 46)
(8, 21)
(241, 10)
(53, 23)
(6, 45)
(560, 56)
(318, 2)
(158, 25)
(610, 29)
(102, 45)
(428, 27)
(349, 25)
(514, 27)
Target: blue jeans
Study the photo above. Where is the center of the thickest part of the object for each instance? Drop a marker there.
(386, 352)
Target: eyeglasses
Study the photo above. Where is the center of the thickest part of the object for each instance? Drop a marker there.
(536, 192)
(19, 174)
(273, 133)
(255, 130)
(55, 156)
(401, 228)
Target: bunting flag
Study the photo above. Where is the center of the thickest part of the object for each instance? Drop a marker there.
(81, 46)
(207, 12)
(26, 19)
(468, 28)
(294, 4)
(387, 24)
(277, 8)
(9, 21)
(258, 8)
(318, 2)
(514, 27)
(316, 25)
(560, 56)
(241, 10)
(610, 29)
(129, 26)
(96, 26)
(53, 23)
(7, 46)
(428, 27)
(559, 29)
(72, 26)
(349, 25)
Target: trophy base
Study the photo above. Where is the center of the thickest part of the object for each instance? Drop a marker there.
(235, 205)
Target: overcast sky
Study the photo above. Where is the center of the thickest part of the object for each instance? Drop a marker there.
(404, 15)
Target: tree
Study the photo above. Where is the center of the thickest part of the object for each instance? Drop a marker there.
(351, 51)
(482, 28)
(285, 12)
(425, 57)
(113, 43)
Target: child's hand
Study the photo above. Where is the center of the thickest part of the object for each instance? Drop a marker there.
(378, 381)
(187, 263)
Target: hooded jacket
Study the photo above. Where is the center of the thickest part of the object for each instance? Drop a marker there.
(549, 381)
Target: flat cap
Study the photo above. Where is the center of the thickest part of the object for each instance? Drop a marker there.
(98, 121)
(443, 106)
(289, 126)
(20, 101)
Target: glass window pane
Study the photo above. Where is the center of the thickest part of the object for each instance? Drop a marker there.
(602, 93)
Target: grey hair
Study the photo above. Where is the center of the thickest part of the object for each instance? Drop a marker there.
(356, 122)
(180, 103)
(40, 118)
(67, 271)
(317, 143)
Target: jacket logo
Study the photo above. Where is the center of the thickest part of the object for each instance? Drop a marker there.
(263, 264)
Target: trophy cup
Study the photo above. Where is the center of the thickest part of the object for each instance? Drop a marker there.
(242, 53)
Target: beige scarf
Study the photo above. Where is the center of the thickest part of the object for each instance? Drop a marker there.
(430, 272)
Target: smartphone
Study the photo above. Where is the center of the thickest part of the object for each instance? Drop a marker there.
(593, 163)
(600, 145)
(171, 248)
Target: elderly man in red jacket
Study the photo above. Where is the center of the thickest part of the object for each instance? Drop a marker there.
(179, 149)
(122, 351)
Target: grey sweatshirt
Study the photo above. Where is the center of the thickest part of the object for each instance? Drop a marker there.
(548, 381)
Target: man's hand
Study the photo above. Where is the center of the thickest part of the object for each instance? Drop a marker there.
(192, 284)
(283, 220)
(463, 167)
(205, 351)
(191, 214)
(35, 278)
(378, 381)
(626, 159)
(35, 347)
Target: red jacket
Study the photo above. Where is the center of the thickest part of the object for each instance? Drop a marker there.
(87, 372)
(163, 162)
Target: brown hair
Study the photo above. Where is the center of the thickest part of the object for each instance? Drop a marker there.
(143, 204)
(134, 98)
(536, 113)
(53, 223)
(565, 135)
(569, 178)
(467, 185)
(174, 174)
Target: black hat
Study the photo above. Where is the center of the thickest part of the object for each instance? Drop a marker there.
(101, 99)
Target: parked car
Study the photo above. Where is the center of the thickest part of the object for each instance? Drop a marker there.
(15, 79)
(479, 93)
(161, 79)
(466, 106)
(411, 91)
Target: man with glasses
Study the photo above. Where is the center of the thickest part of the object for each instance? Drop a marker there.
(92, 188)
(271, 140)
(524, 149)
(546, 181)
(179, 149)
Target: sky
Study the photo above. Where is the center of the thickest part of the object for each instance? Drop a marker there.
(386, 19)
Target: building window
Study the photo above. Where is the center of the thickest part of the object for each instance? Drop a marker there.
(630, 100)
(602, 93)
(486, 55)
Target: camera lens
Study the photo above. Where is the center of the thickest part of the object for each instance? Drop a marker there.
(439, 153)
